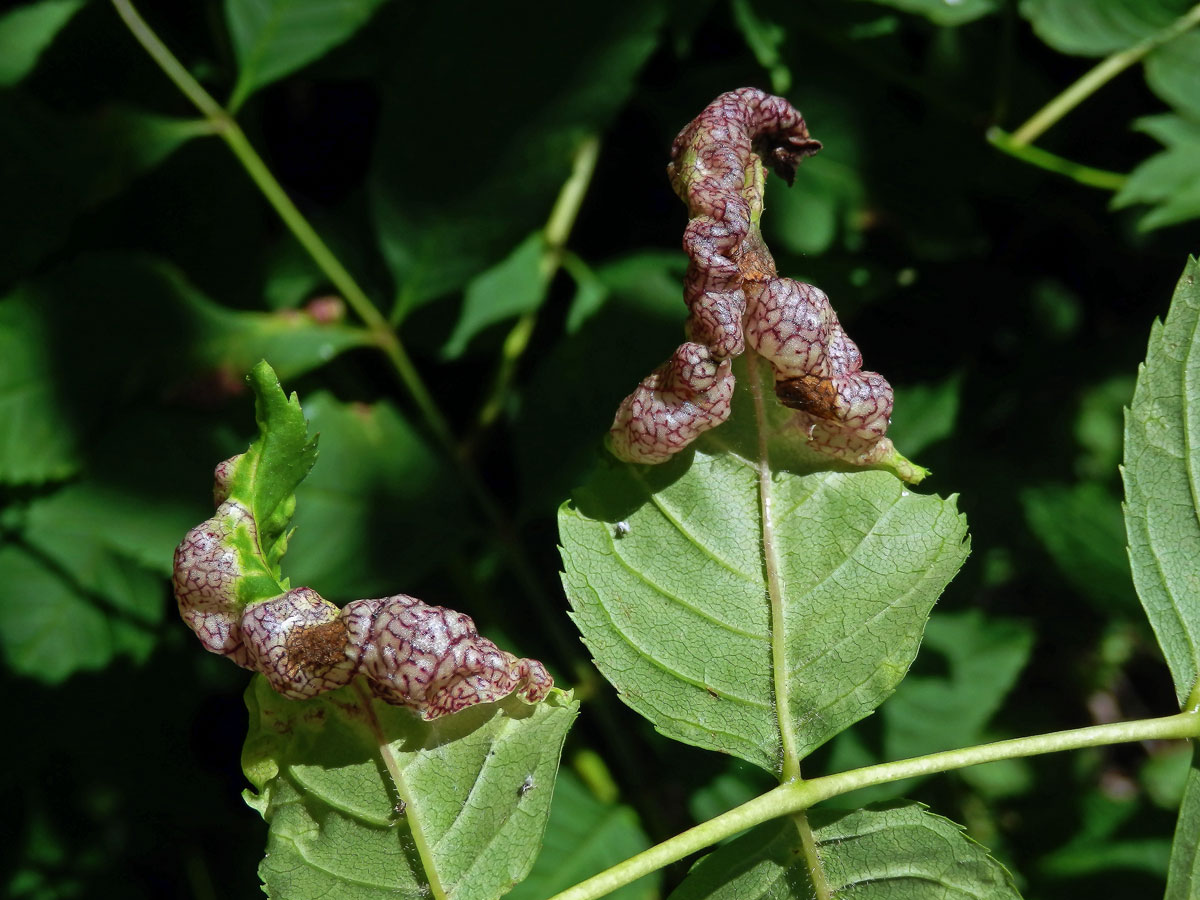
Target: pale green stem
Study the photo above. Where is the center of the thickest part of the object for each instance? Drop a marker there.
(224, 125)
(1097, 77)
(412, 812)
(1043, 159)
(558, 229)
(795, 796)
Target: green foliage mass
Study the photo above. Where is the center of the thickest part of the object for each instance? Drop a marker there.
(144, 273)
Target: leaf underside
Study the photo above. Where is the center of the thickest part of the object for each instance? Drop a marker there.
(666, 570)
(475, 786)
(889, 851)
(1162, 473)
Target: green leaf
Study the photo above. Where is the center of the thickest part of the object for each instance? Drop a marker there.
(679, 611)
(54, 624)
(1100, 427)
(738, 784)
(925, 413)
(764, 40)
(945, 12)
(56, 167)
(968, 664)
(382, 505)
(1099, 27)
(466, 803)
(1107, 840)
(643, 288)
(884, 852)
(1183, 872)
(264, 478)
(37, 443)
(1170, 181)
(513, 286)
(1162, 456)
(273, 38)
(474, 166)
(590, 294)
(585, 836)
(828, 199)
(1081, 527)
(26, 31)
(983, 656)
(1171, 72)
(173, 341)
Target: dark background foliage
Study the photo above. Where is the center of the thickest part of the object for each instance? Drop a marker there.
(143, 274)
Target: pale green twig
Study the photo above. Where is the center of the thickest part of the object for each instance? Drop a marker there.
(1098, 76)
(228, 129)
(557, 230)
(794, 796)
(1043, 159)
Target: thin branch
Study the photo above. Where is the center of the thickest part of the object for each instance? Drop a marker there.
(558, 229)
(224, 125)
(795, 796)
(1098, 76)
(1043, 159)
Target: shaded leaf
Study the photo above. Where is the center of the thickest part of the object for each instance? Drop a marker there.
(883, 852)
(475, 789)
(676, 609)
(945, 12)
(26, 31)
(968, 664)
(983, 657)
(173, 341)
(738, 784)
(1161, 472)
(273, 38)
(585, 836)
(37, 443)
(590, 294)
(1100, 427)
(1082, 529)
(482, 168)
(55, 167)
(513, 286)
(52, 625)
(1107, 841)
(1098, 27)
(925, 413)
(764, 40)
(381, 509)
(1173, 72)
(828, 199)
(564, 387)
(1170, 180)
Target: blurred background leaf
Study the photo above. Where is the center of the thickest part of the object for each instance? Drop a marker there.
(141, 275)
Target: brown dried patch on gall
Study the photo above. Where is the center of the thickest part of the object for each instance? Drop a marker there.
(679, 401)
(205, 577)
(288, 640)
(809, 393)
(432, 659)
